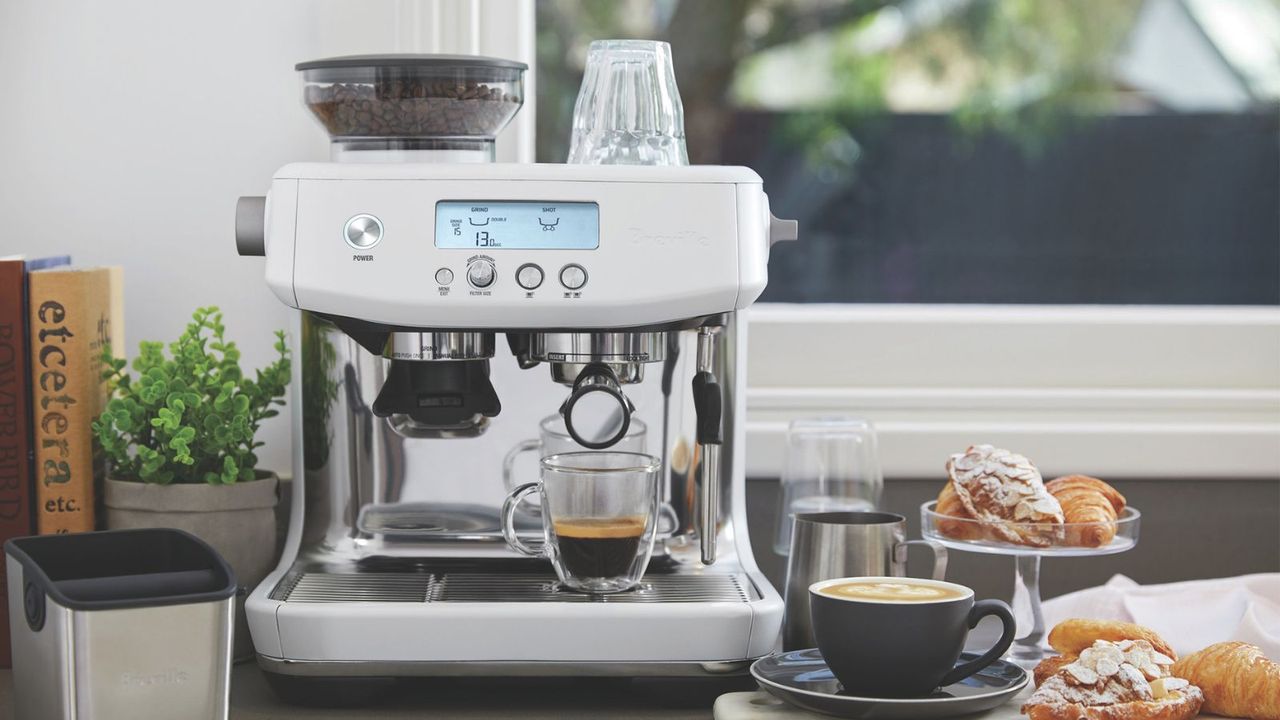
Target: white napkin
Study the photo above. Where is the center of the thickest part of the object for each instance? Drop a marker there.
(1188, 615)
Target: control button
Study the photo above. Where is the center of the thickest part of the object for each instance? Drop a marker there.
(573, 276)
(529, 276)
(480, 274)
(363, 231)
(444, 276)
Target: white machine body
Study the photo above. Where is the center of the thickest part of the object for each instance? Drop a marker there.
(672, 245)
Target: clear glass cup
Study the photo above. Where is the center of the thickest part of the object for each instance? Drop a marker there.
(830, 464)
(628, 110)
(554, 439)
(599, 518)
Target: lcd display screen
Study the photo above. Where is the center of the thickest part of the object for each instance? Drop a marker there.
(520, 225)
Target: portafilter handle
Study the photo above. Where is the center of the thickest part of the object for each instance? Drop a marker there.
(597, 386)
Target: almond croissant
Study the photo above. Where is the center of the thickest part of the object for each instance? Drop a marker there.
(1237, 680)
(1005, 493)
(964, 527)
(1073, 635)
(1087, 500)
(1126, 680)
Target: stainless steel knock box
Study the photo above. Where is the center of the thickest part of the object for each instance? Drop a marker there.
(121, 624)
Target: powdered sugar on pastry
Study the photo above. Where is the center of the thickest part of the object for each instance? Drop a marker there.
(1101, 675)
(1143, 656)
(997, 487)
(1108, 676)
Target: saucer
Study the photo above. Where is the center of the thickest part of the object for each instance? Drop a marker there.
(802, 678)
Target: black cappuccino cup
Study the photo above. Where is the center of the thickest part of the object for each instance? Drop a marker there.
(900, 637)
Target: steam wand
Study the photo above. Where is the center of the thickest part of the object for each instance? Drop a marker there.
(708, 404)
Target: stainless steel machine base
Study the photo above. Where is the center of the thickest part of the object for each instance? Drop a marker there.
(386, 618)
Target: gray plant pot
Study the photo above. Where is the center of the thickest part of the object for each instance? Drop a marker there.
(238, 520)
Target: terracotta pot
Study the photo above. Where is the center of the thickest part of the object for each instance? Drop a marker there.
(238, 520)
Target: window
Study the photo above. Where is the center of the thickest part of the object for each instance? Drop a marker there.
(977, 151)
(980, 185)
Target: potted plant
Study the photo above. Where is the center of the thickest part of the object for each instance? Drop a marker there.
(178, 436)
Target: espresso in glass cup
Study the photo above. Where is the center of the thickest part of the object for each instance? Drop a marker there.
(900, 637)
(599, 515)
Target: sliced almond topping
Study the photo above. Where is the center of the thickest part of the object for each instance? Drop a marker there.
(1081, 674)
(1164, 687)
(1107, 667)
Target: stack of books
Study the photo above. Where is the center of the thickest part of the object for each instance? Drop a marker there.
(55, 321)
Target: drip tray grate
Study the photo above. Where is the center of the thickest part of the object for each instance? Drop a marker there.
(492, 587)
(365, 587)
(320, 587)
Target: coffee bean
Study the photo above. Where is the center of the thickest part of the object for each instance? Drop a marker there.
(398, 108)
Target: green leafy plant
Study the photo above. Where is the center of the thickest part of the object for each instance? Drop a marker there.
(189, 417)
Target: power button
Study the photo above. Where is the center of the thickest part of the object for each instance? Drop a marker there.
(362, 231)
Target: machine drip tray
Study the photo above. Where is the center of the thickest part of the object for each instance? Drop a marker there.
(480, 586)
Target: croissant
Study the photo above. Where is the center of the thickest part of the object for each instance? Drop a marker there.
(1236, 678)
(1050, 666)
(1087, 500)
(1073, 635)
(1125, 680)
(1182, 705)
(949, 504)
(1005, 492)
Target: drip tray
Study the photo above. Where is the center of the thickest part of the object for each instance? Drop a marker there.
(428, 587)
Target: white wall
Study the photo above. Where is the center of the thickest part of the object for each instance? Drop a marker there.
(130, 127)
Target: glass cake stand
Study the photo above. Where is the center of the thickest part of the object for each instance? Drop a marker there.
(1067, 540)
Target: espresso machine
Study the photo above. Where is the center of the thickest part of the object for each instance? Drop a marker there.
(448, 304)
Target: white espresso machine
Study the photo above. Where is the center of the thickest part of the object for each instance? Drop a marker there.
(617, 290)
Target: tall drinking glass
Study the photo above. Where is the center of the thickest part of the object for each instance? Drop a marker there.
(831, 464)
(599, 517)
(628, 110)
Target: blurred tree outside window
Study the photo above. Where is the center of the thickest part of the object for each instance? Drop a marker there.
(976, 151)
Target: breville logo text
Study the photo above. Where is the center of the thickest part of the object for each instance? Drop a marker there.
(146, 680)
(675, 237)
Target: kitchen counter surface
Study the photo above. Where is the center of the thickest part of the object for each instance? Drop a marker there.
(523, 698)
(464, 698)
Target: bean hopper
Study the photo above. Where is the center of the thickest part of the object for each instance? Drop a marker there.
(447, 305)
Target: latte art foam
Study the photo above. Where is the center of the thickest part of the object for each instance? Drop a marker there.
(892, 591)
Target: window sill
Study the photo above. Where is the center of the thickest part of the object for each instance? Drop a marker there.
(1122, 392)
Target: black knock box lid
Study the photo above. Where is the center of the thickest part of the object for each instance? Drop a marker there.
(123, 568)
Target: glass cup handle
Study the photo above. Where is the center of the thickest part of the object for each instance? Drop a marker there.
(668, 521)
(939, 556)
(509, 521)
(509, 462)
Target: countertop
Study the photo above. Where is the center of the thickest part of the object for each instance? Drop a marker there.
(463, 698)
(523, 698)
(526, 699)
